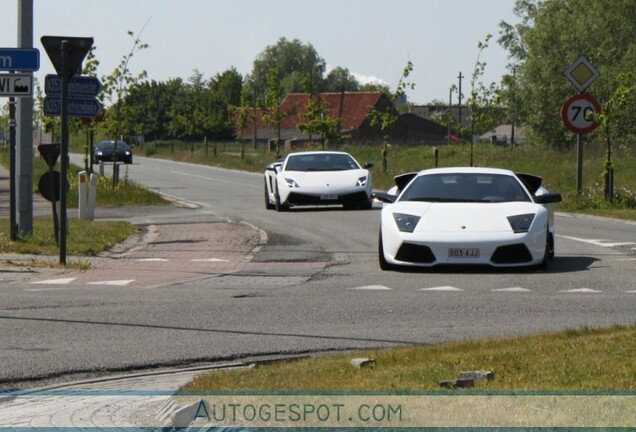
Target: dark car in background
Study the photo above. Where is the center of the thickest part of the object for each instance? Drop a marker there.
(105, 151)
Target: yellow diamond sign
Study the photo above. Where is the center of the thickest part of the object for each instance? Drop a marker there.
(581, 73)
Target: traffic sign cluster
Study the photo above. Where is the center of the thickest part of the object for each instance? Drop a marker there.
(82, 91)
(18, 59)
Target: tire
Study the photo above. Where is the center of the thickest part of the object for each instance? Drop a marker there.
(384, 265)
(278, 206)
(551, 250)
(268, 205)
(548, 253)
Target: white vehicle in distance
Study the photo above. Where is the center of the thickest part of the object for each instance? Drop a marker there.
(466, 216)
(315, 178)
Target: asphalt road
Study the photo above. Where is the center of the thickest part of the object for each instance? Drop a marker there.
(350, 303)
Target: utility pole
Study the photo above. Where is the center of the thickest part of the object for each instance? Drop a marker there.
(24, 132)
(460, 76)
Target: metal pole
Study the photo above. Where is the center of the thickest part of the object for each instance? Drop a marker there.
(12, 210)
(63, 150)
(24, 132)
(579, 164)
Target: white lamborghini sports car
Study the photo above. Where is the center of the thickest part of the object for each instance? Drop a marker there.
(466, 216)
(318, 178)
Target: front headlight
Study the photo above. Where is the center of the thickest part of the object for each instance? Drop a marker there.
(362, 181)
(291, 183)
(406, 222)
(521, 223)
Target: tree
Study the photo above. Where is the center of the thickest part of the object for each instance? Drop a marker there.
(317, 120)
(554, 33)
(386, 118)
(273, 115)
(149, 104)
(611, 110)
(340, 79)
(115, 88)
(293, 62)
(242, 116)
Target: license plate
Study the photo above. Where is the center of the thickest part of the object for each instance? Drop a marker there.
(463, 253)
(329, 197)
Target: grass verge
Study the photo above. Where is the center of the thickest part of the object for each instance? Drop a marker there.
(85, 238)
(572, 360)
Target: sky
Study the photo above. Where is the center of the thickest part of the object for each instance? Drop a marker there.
(374, 39)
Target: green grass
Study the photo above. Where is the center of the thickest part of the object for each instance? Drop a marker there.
(124, 193)
(85, 238)
(572, 360)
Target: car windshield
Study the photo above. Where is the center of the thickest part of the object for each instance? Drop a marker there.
(321, 162)
(465, 187)
(110, 145)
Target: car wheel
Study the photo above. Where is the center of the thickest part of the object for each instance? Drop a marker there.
(384, 265)
(278, 205)
(268, 204)
(551, 252)
(547, 254)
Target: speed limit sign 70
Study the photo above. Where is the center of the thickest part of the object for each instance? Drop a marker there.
(577, 112)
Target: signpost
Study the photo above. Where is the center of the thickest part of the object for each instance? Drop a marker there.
(577, 113)
(66, 54)
(16, 85)
(577, 109)
(19, 59)
(77, 107)
(78, 86)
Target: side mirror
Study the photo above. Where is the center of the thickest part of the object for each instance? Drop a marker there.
(552, 197)
(384, 197)
(367, 165)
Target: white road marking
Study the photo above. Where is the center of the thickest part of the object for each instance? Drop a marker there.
(212, 179)
(372, 288)
(112, 282)
(151, 259)
(597, 242)
(632, 291)
(512, 289)
(581, 290)
(55, 281)
(442, 288)
(45, 289)
(209, 260)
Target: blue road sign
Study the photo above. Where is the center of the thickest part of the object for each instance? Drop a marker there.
(19, 59)
(77, 107)
(78, 86)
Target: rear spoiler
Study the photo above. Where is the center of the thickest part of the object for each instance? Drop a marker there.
(402, 180)
(532, 182)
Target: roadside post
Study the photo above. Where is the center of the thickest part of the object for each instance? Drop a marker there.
(66, 54)
(577, 109)
(83, 195)
(16, 85)
(87, 191)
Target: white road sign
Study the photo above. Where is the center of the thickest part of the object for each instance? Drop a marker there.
(16, 85)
